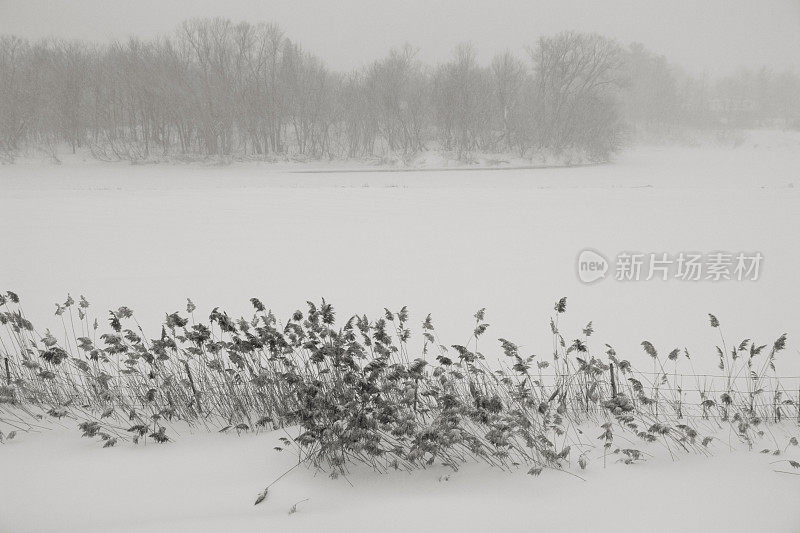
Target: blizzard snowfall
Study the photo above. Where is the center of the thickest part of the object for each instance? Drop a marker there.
(440, 242)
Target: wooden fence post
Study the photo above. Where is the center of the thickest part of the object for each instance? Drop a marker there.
(613, 381)
(194, 389)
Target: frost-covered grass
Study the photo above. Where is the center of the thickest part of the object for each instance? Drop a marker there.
(360, 395)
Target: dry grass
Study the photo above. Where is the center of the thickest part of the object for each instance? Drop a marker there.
(355, 393)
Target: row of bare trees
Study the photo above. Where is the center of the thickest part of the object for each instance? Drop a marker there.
(660, 96)
(219, 88)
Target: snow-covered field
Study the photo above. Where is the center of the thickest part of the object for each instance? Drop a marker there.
(207, 482)
(447, 243)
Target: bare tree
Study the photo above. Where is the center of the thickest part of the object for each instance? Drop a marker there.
(463, 99)
(17, 104)
(650, 93)
(396, 89)
(576, 79)
(509, 77)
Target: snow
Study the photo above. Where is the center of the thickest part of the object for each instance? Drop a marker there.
(57, 481)
(448, 243)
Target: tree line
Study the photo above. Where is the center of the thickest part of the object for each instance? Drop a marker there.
(215, 87)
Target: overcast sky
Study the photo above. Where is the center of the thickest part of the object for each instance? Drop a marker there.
(717, 36)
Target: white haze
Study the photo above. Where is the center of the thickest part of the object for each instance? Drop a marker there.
(714, 36)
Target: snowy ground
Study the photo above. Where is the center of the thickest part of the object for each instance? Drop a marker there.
(442, 242)
(447, 243)
(207, 482)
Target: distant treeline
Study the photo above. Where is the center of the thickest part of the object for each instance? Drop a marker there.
(219, 88)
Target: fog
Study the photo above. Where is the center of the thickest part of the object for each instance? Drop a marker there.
(714, 36)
